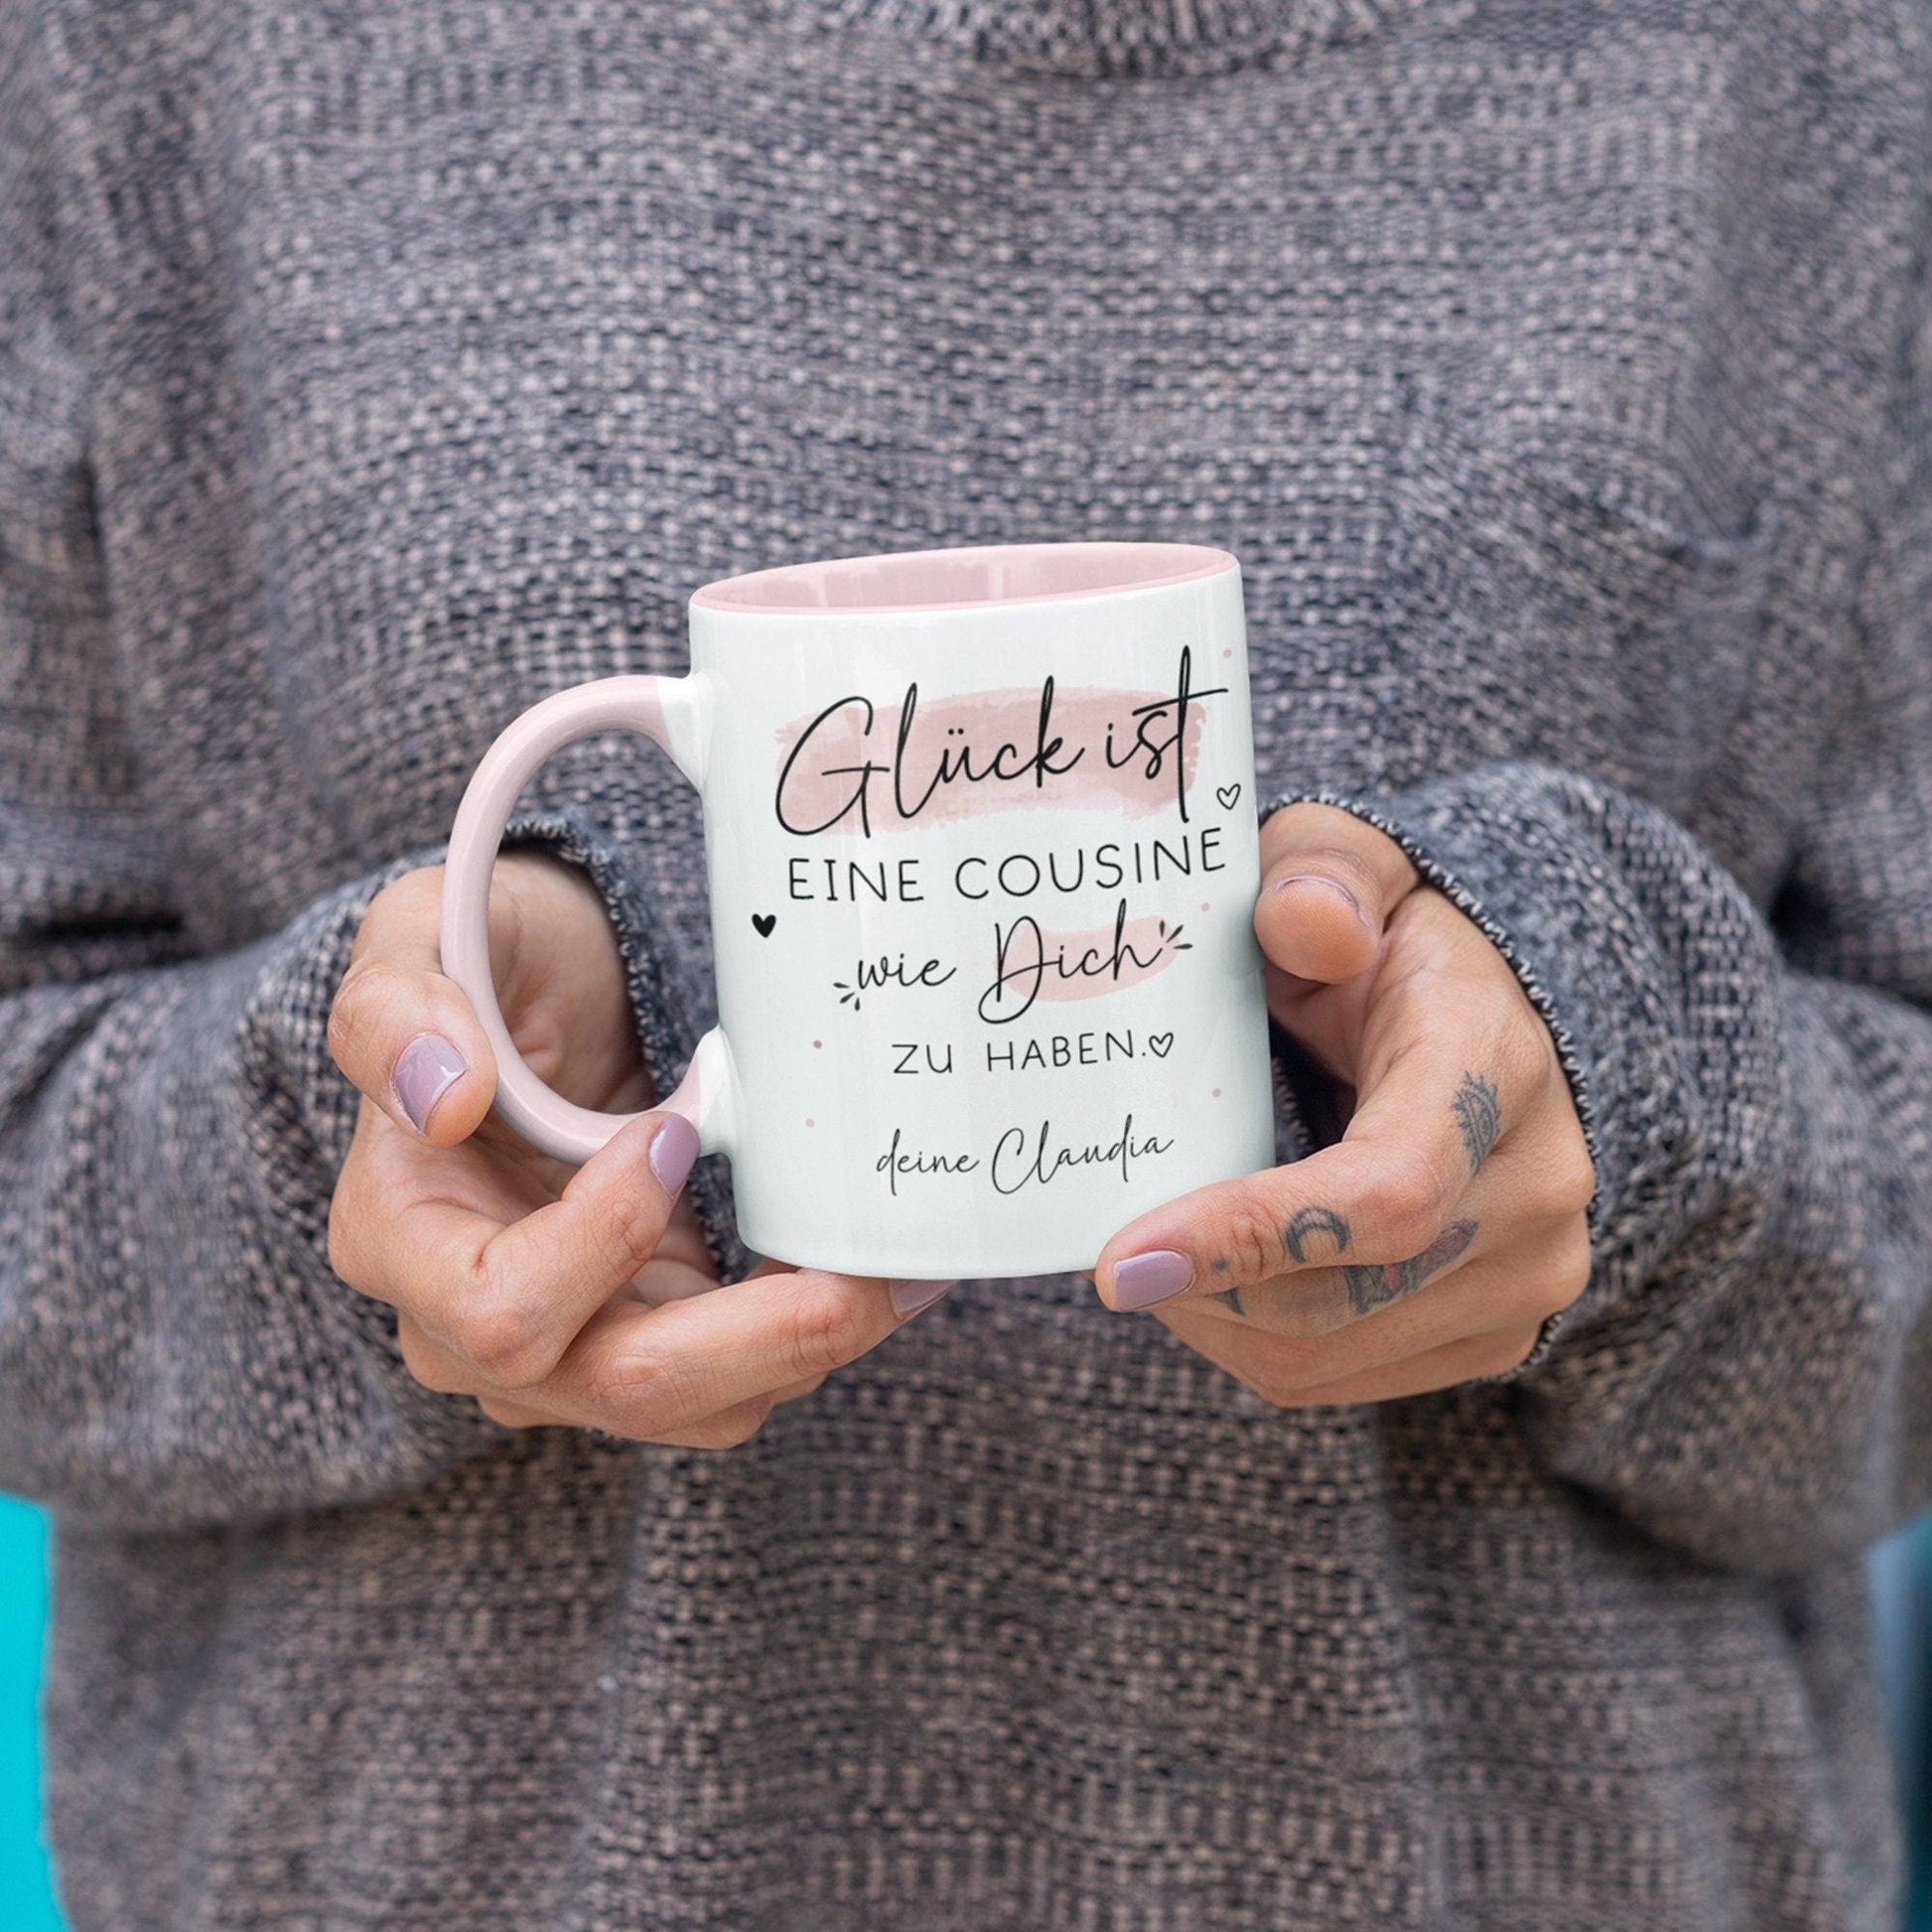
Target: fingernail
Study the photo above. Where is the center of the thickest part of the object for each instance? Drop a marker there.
(1157, 1276)
(427, 1070)
(908, 1297)
(1322, 880)
(673, 1147)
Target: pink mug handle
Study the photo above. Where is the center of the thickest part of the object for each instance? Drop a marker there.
(674, 714)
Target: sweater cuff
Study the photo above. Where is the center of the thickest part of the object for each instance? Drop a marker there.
(670, 1003)
(1530, 854)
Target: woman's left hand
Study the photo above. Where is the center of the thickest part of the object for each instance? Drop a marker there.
(1428, 1245)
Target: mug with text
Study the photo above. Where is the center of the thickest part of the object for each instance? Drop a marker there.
(982, 846)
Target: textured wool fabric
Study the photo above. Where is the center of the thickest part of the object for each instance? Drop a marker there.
(1558, 372)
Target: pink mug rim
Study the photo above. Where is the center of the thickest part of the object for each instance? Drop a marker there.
(910, 580)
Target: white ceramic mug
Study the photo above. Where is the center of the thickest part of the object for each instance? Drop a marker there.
(982, 846)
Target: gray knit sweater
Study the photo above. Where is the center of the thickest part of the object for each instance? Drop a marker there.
(1558, 371)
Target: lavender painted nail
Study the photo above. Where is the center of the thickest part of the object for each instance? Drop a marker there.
(1157, 1276)
(908, 1297)
(427, 1068)
(673, 1147)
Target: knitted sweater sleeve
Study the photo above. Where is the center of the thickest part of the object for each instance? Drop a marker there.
(174, 1347)
(1749, 1373)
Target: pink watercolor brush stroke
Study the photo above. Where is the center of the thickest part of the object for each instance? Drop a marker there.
(987, 720)
(1143, 935)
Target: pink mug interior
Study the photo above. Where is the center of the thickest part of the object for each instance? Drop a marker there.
(956, 580)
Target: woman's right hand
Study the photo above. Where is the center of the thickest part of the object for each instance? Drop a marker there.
(579, 1296)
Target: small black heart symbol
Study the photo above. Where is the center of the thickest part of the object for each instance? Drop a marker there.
(765, 921)
(1159, 1044)
(1230, 796)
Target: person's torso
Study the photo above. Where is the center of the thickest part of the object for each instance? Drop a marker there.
(442, 353)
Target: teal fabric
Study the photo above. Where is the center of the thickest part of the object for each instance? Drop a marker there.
(1902, 1592)
(1912, 1658)
(26, 1900)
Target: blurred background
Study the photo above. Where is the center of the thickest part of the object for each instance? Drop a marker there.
(1901, 1581)
(26, 1900)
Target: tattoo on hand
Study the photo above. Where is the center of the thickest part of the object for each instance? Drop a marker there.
(1479, 1116)
(1231, 1298)
(1310, 1222)
(1375, 1286)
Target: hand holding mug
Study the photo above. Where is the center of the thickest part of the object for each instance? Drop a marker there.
(982, 853)
(1428, 1245)
(553, 1295)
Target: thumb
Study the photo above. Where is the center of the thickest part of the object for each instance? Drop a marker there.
(1330, 883)
(403, 1032)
